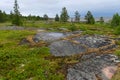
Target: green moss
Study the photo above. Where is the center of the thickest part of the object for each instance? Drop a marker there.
(20, 62)
(117, 52)
(117, 30)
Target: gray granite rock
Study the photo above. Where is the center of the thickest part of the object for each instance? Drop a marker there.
(68, 47)
(48, 36)
(24, 41)
(65, 48)
(91, 68)
(94, 41)
(79, 75)
(11, 28)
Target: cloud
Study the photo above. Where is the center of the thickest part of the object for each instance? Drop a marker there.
(51, 7)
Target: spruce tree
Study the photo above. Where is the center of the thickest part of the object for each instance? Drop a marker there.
(56, 17)
(1, 16)
(77, 16)
(101, 20)
(5, 16)
(45, 16)
(64, 15)
(11, 15)
(16, 15)
(115, 20)
(89, 17)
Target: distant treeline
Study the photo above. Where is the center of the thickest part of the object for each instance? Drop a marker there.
(4, 17)
(8, 17)
(17, 19)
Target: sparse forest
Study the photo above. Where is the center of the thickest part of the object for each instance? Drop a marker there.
(37, 47)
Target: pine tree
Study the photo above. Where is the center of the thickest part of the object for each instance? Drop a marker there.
(56, 17)
(11, 15)
(29, 17)
(115, 20)
(101, 20)
(89, 17)
(64, 15)
(45, 16)
(3, 16)
(16, 15)
(77, 16)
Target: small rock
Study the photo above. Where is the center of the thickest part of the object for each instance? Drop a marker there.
(24, 41)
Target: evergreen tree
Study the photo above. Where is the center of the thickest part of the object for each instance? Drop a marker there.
(115, 20)
(89, 17)
(56, 17)
(77, 16)
(16, 15)
(11, 14)
(37, 18)
(64, 15)
(101, 20)
(29, 17)
(3, 16)
(45, 16)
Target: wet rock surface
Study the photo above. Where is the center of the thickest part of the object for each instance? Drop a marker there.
(93, 41)
(65, 48)
(80, 44)
(103, 67)
(20, 28)
(50, 36)
(11, 28)
(93, 65)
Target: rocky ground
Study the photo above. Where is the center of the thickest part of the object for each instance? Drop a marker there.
(101, 67)
(92, 51)
(93, 65)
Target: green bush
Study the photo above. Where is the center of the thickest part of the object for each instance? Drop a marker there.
(117, 30)
(117, 52)
(72, 27)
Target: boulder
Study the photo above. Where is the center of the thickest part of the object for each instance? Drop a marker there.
(65, 48)
(94, 41)
(49, 36)
(80, 44)
(101, 67)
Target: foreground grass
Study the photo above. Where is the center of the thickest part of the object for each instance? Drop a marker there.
(20, 62)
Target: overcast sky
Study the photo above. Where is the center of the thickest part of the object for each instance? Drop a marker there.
(52, 7)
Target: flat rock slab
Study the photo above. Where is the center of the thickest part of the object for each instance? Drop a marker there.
(79, 44)
(49, 36)
(101, 67)
(94, 41)
(11, 28)
(65, 48)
